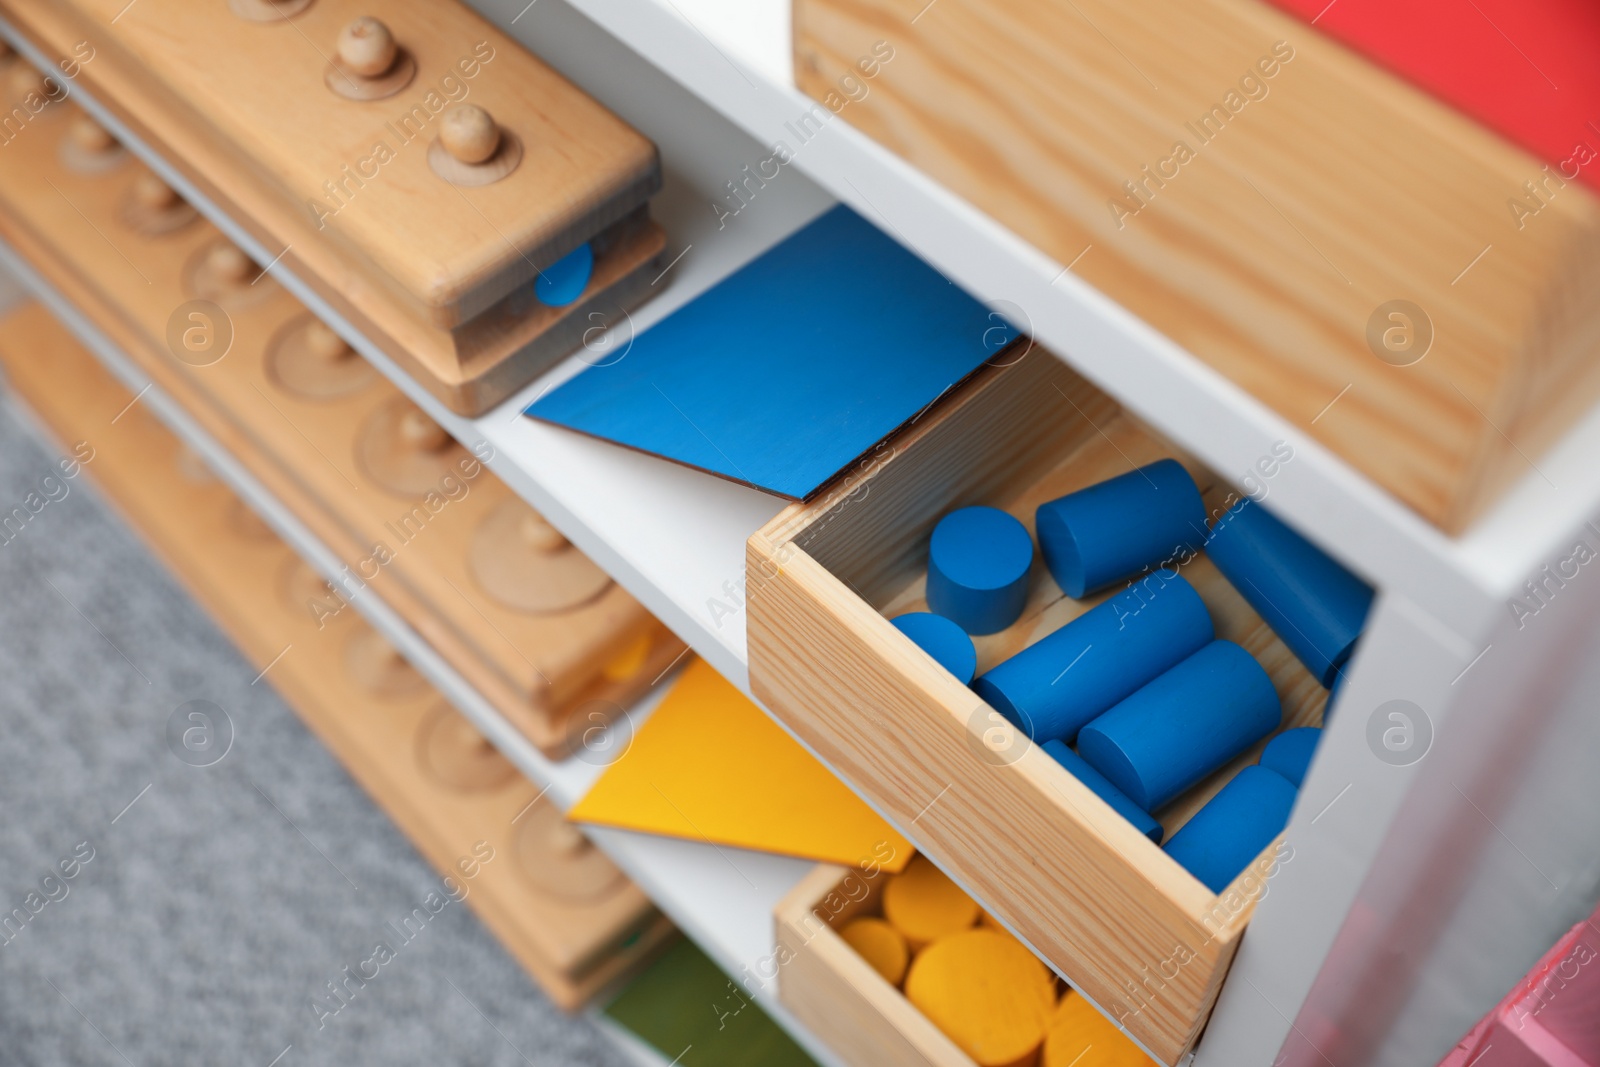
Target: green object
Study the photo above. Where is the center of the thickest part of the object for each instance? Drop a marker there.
(685, 1007)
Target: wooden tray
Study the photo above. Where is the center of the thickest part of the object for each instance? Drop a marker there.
(574, 948)
(1324, 192)
(1106, 908)
(536, 669)
(438, 276)
(832, 990)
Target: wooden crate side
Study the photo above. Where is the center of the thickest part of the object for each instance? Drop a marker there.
(1330, 189)
(1108, 909)
(834, 991)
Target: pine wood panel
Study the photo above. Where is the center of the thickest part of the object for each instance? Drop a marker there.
(573, 950)
(1109, 910)
(405, 241)
(1315, 194)
(537, 669)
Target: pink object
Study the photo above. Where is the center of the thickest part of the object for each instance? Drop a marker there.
(1551, 1018)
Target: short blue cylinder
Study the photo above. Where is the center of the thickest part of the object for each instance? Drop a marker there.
(1184, 725)
(1054, 686)
(1101, 787)
(978, 562)
(1111, 531)
(942, 639)
(1226, 836)
(1290, 753)
(1311, 602)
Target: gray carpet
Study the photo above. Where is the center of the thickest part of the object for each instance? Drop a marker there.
(224, 898)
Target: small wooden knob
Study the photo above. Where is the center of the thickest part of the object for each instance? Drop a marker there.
(539, 534)
(25, 78)
(366, 47)
(566, 839)
(152, 193)
(469, 133)
(5, 48)
(229, 264)
(325, 344)
(90, 136)
(422, 433)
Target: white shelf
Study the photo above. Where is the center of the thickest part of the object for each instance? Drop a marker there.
(722, 898)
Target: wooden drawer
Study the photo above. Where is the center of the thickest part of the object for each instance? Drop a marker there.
(833, 991)
(1115, 916)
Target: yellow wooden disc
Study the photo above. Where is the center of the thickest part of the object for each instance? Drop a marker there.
(923, 904)
(1079, 1036)
(880, 945)
(989, 995)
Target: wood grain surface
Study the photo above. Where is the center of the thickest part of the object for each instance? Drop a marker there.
(1259, 195)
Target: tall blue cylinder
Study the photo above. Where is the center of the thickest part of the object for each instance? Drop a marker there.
(1101, 787)
(1226, 836)
(978, 562)
(1289, 754)
(1184, 725)
(1054, 686)
(1111, 531)
(1311, 602)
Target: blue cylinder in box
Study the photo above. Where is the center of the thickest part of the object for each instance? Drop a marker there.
(1184, 725)
(1054, 686)
(1101, 535)
(978, 563)
(942, 639)
(1226, 835)
(1101, 787)
(1314, 605)
(1290, 753)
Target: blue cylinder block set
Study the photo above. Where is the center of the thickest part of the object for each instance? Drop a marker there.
(1139, 684)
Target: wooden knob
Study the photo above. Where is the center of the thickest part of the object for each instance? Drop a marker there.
(152, 193)
(539, 534)
(469, 133)
(25, 78)
(566, 839)
(5, 48)
(90, 136)
(366, 47)
(422, 433)
(324, 343)
(228, 263)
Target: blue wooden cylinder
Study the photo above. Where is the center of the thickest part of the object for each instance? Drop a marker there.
(1290, 753)
(1101, 535)
(1102, 788)
(562, 282)
(1054, 686)
(978, 562)
(1311, 602)
(942, 639)
(1226, 836)
(1184, 725)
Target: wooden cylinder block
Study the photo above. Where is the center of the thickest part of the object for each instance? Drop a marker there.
(881, 945)
(924, 905)
(987, 993)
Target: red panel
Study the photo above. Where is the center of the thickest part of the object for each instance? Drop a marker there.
(1529, 69)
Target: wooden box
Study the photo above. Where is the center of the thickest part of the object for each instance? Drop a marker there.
(1263, 197)
(832, 990)
(1111, 912)
(537, 669)
(483, 826)
(438, 275)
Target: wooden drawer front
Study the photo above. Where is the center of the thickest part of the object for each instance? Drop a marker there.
(1110, 911)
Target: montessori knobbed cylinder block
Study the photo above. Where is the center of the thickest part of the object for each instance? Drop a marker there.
(1108, 532)
(978, 563)
(1314, 605)
(1054, 687)
(1184, 725)
(1234, 826)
